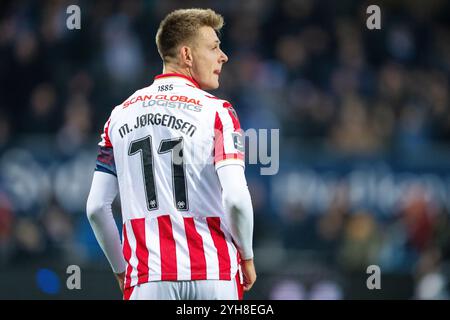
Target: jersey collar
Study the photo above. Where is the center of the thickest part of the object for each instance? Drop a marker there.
(169, 75)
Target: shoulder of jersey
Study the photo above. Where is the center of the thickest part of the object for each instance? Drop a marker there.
(121, 105)
(215, 101)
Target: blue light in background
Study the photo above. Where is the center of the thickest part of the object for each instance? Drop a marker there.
(48, 281)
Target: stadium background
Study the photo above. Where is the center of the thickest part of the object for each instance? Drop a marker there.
(364, 123)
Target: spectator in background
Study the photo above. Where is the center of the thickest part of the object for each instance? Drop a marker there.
(5, 131)
(6, 228)
(361, 243)
(42, 116)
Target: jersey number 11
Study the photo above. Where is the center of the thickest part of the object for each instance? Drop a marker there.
(143, 147)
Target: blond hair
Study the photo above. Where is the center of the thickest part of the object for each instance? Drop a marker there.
(180, 27)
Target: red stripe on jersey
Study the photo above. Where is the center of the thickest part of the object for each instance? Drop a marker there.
(127, 292)
(236, 123)
(240, 286)
(237, 127)
(221, 246)
(196, 252)
(233, 115)
(167, 249)
(107, 140)
(138, 226)
(230, 156)
(226, 104)
(219, 148)
(127, 255)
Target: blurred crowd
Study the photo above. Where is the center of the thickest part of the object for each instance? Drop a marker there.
(310, 68)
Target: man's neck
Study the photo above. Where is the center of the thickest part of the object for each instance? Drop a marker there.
(176, 69)
(186, 72)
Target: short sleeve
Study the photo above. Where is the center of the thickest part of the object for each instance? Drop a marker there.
(229, 140)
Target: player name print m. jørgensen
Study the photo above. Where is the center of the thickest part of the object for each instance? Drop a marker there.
(158, 119)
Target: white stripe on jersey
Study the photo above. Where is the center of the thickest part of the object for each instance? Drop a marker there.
(182, 249)
(154, 254)
(212, 262)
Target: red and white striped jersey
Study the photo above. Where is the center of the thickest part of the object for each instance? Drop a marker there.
(164, 144)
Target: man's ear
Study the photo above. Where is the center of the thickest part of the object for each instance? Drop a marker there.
(186, 56)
